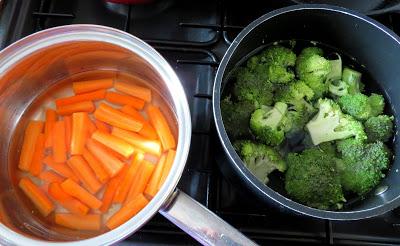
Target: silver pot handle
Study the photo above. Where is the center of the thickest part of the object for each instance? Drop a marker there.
(200, 223)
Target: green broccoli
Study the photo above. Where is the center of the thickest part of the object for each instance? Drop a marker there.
(331, 124)
(361, 106)
(363, 164)
(379, 128)
(266, 123)
(313, 69)
(311, 178)
(279, 55)
(352, 78)
(338, 88)
(260, 159)
(236, 117)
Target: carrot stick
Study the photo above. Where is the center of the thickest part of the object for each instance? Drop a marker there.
(51, 118)
(68, 202)
(95, 165)
(167, 167)
(60, 168)
(127, 211)
(79, 132)
(123, 188)
(37, 164)
(37, 196)
(89, 222)
(81, 169)
(134, 90)
(90, 96)
(101, 126)
(91, 126)
(111, 188)
(75, 190)
(68, 131)
(159, 122)
(141, 179)
(137, 141)
(32, 132)
(121, 99)
(147, 130)
(114, 143)
(152, 186)
(114, 117)
(112, 164)
(91, 85)
(59, 148)
(85, 106)
(50, 177)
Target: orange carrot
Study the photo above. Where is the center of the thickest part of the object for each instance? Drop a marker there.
(85, 106)
(121, 99)
(91, 85)
(68, 131)
(147, 130)
(167, 166)
(91, 126)
(114, 117)
(81, 169)
(60, 168)
(126, 183)
(50, 177)
(163, 130)
(137, 141)
(37, 196)
(95, 165)
(37, 165)
(101, 126)
(79, 132)
(75, 190)
(32, 132)
(111, 188)
(141, 179)
(68, 202)
(114, 143)
(152, 186)
(112, 164)
(134, 90)
(89, 222)
(51, 118)
(90, 96)
(127, 211)
(59, 148)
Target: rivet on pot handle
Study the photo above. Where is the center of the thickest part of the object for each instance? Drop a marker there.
(200, 223)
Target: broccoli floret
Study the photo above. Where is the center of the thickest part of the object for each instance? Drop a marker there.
(331, 124)
(266, 123)
(361, 106)
(311, 178)
(236, 117)
(313, 69)
(338, 88)
(379, 128)
(279, 55)
(260, 159)
(363, 164)
(352, 78)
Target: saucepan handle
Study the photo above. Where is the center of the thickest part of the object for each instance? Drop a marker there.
(200, 223)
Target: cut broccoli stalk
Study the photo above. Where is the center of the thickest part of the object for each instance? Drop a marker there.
(336, 69)
(338, 88)
(353, 79)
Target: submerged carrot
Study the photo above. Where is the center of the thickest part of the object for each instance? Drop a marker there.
(114, 117)
(37, 164)
(51, 118)
(59, 148)
(79, 132)
(112, 164)
(68, 131)
(91, 85)
(89, 222)
(141, 179)
(163, 130)
(147, 130)
(152, 186)
(137, 141)
(68, 202)
(110, 190)
(95, 165)
(32, 132)
(60, 168)
(117, 144)
(134, 90)
(75, 190)
(127, 211)
(91, 126)
(82, 169)
(121, 99)
(167, 166)
(85, 106)
(101, 126)
(37, 196)
(90, 96)
(50, 177)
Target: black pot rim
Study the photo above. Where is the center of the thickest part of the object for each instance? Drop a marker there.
(264, 191)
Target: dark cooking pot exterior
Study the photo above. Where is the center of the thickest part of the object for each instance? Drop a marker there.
(370, 43)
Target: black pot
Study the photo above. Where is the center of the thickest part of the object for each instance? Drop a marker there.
(371, 44)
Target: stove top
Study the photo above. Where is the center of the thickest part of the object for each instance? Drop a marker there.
(193, 36)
